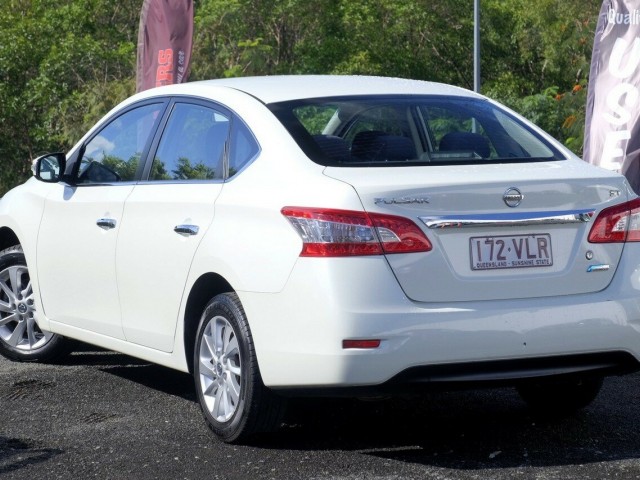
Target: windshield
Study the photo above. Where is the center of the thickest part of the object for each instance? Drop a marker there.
(411, 130)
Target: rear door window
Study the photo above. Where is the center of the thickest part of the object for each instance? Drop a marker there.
(192, 146)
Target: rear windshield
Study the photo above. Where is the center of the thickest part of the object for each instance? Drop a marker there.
(410, 130)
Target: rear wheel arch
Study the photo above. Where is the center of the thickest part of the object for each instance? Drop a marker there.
(204, 289)
(8, 238)
(232, 396)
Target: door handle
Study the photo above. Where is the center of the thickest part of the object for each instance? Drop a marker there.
(106, 223)
(186, 229)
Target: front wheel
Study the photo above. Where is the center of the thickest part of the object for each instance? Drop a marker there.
(21, 339)
(560, 397)
(234, 401)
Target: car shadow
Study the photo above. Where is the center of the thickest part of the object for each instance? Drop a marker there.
(162, 379)
(150, 375)
(16, 454)
(463, 430)
(467, 430)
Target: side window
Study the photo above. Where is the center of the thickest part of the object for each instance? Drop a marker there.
(113, 155)
(315, 119)
(192, 145)
(243, 147)
(520, 142)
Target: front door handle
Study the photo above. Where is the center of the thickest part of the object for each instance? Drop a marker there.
(106, 223)
(186, 229)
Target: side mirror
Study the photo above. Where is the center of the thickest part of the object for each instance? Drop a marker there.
(49, 168)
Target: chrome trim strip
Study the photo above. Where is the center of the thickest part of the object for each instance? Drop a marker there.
(597, 268)
(510, 219)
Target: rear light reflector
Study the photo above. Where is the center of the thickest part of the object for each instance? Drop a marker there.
(363, 344)
(617, 224)
(339, 233)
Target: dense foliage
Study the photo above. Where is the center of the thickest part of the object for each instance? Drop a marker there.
(64, 63)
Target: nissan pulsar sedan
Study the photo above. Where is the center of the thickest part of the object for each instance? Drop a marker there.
(326, 235)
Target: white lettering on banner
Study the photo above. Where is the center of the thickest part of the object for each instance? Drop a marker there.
(632, 18)
(181, 69)
(617, 54)
(630, 94)
(620, 100)
(612, 150)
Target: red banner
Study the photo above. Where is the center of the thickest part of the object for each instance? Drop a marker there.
(164, 42)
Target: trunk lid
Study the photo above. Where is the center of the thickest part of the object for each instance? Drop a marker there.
(484, 249)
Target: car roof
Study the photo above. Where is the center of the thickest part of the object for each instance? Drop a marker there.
(281, 88)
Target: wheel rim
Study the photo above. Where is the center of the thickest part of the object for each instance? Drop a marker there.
(220, 369)
(18, 328)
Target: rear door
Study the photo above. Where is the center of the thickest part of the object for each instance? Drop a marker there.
(165, 217)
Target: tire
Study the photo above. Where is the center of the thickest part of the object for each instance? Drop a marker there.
(233, 399)
(21, 339)
(561, 397)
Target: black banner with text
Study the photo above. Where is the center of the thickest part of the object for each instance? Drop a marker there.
(164, 43)
(612, 127)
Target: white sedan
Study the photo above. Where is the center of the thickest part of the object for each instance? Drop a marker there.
(324, 235)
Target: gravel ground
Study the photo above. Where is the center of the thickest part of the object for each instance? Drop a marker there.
(105, 415)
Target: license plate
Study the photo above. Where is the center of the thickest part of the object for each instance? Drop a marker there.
(511, 251)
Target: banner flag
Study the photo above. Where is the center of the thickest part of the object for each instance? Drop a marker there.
(612, 123)
(165, 38)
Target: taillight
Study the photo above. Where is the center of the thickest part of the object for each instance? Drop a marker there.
(340, 233)
(617, 224)
(361, 344)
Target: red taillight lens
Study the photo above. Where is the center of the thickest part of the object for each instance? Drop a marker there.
(360, 344)
(617, 224)
(340, 233)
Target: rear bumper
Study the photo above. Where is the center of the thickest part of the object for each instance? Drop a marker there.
(483, 374)
(299, 332)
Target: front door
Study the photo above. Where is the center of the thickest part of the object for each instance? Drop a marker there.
(76, 247)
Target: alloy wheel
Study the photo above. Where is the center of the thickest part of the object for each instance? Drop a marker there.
(220, 368)
(18, 328)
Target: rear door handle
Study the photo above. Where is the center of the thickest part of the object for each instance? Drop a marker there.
(186, 229)
(106, 223)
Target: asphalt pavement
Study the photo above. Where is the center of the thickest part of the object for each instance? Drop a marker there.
(108, 416)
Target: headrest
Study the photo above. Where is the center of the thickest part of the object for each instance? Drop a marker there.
(466, 141)
(379, 146)
(333, 147)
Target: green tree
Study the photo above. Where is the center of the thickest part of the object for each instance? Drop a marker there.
(186, 171)
(63, 63)
(536, 60)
